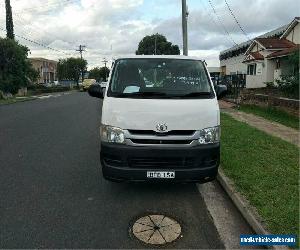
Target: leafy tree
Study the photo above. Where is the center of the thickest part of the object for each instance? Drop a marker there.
(15, 70)
(71, 68)
(163, 47)
(100, 74)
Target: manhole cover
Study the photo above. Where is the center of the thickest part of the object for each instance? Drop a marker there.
(156, 229)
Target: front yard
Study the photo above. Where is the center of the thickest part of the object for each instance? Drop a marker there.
(272, 114)
(265, 170)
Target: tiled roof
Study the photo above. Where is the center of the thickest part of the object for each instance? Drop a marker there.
(284, 52)
(275, 43)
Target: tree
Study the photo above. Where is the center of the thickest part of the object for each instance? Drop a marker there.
(9, 20)
(163, 47)
(100, 74)
(71, 68)
(15, 69)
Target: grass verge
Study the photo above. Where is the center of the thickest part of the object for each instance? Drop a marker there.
(272, 114)
(265, 170)
(15, 100)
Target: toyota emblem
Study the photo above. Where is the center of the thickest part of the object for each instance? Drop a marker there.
(161, 128)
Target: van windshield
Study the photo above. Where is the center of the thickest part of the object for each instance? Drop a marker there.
(160, 78)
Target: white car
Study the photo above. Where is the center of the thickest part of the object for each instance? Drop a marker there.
(103, 84)
(167, 128)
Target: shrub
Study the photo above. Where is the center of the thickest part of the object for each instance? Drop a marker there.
(269, 84)
(289, 84)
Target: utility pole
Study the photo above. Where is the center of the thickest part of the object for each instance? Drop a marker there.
(105, 61)
(185, 15)
(155, 45)
(9, 21)
(81, 50)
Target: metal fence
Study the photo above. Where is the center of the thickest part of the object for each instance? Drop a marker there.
(234, 83)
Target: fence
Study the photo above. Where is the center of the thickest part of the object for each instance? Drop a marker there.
(234, 83)
(288, 105)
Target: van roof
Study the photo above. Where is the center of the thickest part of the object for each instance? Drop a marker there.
(159, 57)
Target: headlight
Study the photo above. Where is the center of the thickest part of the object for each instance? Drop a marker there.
(209, 135)
(112, 134)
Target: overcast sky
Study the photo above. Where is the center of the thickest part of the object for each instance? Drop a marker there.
(110, 28)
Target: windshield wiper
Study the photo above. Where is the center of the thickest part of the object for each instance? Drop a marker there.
(140, 94)
(196, 94)
(161, 94)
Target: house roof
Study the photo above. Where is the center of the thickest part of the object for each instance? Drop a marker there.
(284, 52)
(276, 32)
(274, 43)
(290, 27)
(254, 56)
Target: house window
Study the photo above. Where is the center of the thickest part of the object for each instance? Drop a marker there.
(251, 69)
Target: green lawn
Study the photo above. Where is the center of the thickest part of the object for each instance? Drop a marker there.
(272, 114)
(265, 170)
(15, 100)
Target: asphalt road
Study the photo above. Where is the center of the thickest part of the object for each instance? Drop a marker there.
(52, 194)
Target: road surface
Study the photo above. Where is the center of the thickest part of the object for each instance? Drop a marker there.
(52, 194)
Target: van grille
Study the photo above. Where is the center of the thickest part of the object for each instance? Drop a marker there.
(160, 163)
(170, 163)
(169, 133)
(160, 142)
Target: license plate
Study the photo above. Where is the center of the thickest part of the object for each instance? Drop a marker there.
(160, 175)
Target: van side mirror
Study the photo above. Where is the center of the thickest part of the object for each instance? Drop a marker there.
(221, 91)
(95, 90)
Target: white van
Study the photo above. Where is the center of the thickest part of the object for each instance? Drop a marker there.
(160, 120)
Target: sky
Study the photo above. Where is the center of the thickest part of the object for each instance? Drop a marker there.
(112, 28)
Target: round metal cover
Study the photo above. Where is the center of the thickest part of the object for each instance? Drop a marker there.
(156, 229)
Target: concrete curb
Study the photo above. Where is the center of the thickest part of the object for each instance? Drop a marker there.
(242, 205)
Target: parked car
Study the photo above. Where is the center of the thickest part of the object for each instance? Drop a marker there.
(165, 129)
(87, 83)
(103, 84)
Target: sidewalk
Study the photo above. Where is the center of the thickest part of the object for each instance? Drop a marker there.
(273, 128)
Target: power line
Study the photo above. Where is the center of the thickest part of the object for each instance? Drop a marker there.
(217, 25)
(220, 21)
(235, 19)
(35, 28)
(55, 5)
(37, 43)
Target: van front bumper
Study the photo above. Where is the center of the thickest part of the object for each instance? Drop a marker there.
(130, 163)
